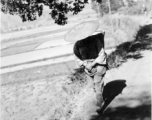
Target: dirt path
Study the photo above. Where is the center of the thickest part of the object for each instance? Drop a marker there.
(51, 98)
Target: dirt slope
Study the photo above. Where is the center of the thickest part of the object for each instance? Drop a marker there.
(53, 98)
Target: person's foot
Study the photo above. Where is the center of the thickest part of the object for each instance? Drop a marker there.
(99, 109)
(100, 100)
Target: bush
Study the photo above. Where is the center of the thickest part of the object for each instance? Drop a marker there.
(136, 8)
(103, 8)
(131, 49)
(124, 28)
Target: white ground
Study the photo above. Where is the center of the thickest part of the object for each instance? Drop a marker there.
(41, 99)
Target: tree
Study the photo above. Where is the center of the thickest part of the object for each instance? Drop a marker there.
(29, 10)
(103, 8)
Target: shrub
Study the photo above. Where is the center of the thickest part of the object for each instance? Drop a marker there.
(136, 8)
(124, 28)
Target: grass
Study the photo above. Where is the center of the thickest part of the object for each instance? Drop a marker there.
(131, 49)
(136, 8)
(123, 27)
(129, 37)
(14, 23)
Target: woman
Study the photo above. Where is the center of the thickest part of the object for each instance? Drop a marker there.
(91, 56)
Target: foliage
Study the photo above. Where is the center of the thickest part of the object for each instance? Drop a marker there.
(124, 27)
(136, 8)
(103, 7)
(131, 49)
(29, 10)
(127, 7)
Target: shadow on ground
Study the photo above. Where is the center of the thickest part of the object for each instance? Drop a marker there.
(111, 90)
(125, 112)
(142, 112)
(132, 49)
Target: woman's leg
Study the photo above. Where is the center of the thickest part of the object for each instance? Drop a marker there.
(99, 84)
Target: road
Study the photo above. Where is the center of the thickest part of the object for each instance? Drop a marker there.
(21, 47)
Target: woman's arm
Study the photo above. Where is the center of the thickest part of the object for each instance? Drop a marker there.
(80, 63)
(101, 59)
(102, 56)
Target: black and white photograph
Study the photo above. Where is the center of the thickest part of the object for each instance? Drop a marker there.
(75, 59)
